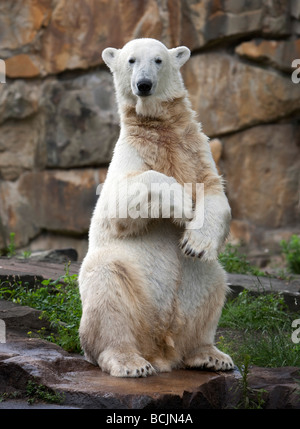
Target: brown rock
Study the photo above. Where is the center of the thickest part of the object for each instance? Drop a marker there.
(53, 200)
(21, 66)
(281, 384)
(214, 21)
(261, 167)
(77, 34)
(279, 54)
(241, 231)
(62, 200)
(21, 21)
(229, 95)
(66, 36)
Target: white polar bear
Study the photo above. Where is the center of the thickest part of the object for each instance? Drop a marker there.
(151, 287)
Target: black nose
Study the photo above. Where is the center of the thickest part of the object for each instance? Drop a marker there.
(144, 86)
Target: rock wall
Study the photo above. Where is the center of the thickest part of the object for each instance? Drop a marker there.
(59, 122)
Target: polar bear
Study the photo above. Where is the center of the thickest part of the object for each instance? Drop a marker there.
(151, 287)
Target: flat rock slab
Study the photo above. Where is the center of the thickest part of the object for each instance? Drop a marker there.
(33, 272)
(290, 289)
(86, 386)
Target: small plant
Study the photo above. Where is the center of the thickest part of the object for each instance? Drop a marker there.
(235, 262)
(26, 254)
(250, 398)
(11, 395)
(35, 392)
(11, 248)
(291, 250)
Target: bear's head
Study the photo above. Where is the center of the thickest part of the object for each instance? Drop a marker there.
(146, 73)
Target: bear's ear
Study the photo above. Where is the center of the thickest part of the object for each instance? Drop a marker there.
(109, 56)
(180, 55)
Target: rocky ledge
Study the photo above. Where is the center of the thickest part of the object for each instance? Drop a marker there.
(82, 385)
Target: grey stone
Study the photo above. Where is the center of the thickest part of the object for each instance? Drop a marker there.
(56, 255)
(33, 272)
(19, 99)
(21, 318)
(82, 123)
(290, 290)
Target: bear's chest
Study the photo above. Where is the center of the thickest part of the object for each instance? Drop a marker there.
(167, 151)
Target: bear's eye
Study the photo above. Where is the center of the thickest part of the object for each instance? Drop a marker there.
(131, 60)
(158, 61)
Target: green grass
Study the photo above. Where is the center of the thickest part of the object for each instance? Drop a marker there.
(291, 250)
(250, 398)
(59, 302)
(39, 392)
(259, 326)
(34, 392)
(235, 262)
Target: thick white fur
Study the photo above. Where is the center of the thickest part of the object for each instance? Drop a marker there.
(149, 303)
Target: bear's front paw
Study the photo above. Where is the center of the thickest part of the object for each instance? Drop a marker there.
(196, 245)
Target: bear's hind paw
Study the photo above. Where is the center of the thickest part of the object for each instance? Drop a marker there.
(126, 365)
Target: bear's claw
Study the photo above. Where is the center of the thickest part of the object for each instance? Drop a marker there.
(189, 251)
(212, 359)
(197, 245)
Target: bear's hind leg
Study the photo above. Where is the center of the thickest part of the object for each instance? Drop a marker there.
(208, 298)
(114, 330)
